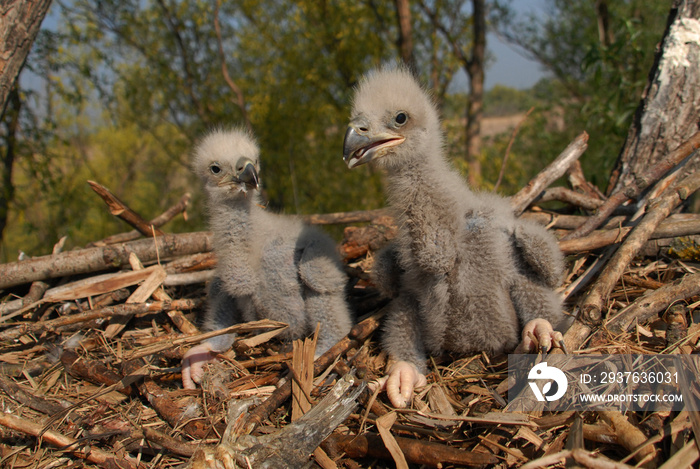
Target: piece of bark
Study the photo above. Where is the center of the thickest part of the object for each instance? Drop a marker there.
(121, 210)
(358, 240)
(289, 447)
(676, 324)
(102, 313)
(649, 305)
(177, 412)
(303, 375)
(26, 397)
(97, 259)
(140, 295)
(416, 451)
(191, 278)
(686, 457)
(384, 424)
(160, 220)
(629, 436)
(633, 190)
(89, 453)
(591, 306)
(358, 334)
(551, 173)
(93, 371)
(292, 446)
(98, 285)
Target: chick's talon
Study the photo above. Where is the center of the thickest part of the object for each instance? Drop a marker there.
(402, 378)
(544, 336)
(193, 364)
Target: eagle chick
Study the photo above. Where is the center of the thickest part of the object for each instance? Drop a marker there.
(269, 266)
(471, 276)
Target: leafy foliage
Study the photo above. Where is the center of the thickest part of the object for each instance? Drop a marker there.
(127, 87)
(597, 74)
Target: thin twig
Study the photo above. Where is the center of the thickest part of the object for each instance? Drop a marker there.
(510, 145)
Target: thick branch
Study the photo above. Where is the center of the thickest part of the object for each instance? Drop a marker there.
(632, 190)
(121, 210)
(599, 239)
(68, 444)
(648, 306)
(429, 453)
(160, 220)
(551, 173)
(102, 258)
(591, 307)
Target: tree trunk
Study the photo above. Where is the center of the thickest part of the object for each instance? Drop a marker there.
(20, 21)
(11, 124)
(405, 39)
(475, 70)
(670, 109)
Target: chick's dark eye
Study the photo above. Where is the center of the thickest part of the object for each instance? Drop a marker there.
(401, 118)
(215, 169)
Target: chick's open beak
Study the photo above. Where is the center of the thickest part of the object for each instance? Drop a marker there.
(362, 146)
(249, 176)
(243, 179)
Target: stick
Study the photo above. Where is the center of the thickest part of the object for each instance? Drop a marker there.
(160, 220)
(629, 435)
(593, 303)
(102, 313)
(652, 175)
(102, 258)
(65, 443)
(38, 403)
(513, 134)
(357, 335)
(121, 210)
(551, 173)
(416, 451)
(648, 306)
(600, 239)
(341, 218)
(563, 194)
(173, 412)
(93, 371)
(292, 446)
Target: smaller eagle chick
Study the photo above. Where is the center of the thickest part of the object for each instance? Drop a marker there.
(269, 266)
(465, 274)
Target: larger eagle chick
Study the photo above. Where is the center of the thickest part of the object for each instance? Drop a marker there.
(473, 277)
(269, 266)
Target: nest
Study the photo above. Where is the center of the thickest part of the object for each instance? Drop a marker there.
(91, 342)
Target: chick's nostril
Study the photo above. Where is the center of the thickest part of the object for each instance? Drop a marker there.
(363, 129)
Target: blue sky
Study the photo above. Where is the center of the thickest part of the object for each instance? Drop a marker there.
(509, 68)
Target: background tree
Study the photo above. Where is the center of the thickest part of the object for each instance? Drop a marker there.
(452, 24)
(126, 87)
(669, 112)
(598, 55)
(20, 21)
